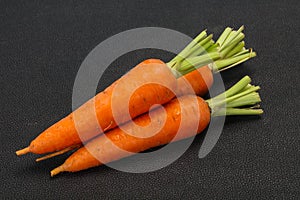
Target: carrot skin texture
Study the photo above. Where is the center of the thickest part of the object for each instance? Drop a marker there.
(100, 149)
(196, 82)
(64, 133)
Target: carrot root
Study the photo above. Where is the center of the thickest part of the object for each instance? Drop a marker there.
(58, 153)
(57, 170)
(23, 151)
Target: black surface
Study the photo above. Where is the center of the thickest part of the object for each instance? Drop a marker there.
(43, 44)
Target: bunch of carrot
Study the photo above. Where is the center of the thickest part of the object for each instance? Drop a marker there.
(238, 100)
(190, 72)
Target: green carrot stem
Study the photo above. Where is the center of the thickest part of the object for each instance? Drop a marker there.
(192, 51)
(237, 111)
(247, 87)
(213, 47)
(224, 35)
(198, 39)
(223, 64)
(239, 86)
(195, 41)
(247, 100)
(193, 63)
(232, 36)
(243, 51)
(239, 95)
(208, 44)
(238, 48)
(234, 97)
(225, 50)
(199, 49)
(205, 40)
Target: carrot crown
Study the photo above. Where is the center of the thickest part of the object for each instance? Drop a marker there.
(228, 51)
(240, 99)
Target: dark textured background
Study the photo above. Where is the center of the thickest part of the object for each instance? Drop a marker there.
(42, 44)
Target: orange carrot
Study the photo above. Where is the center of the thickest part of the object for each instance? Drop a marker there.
(65, 132)
(196, 82)
(106, 151)
(102, 148)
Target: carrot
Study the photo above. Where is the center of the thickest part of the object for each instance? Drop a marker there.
(196, 82)
(65, 132)
(102, 148)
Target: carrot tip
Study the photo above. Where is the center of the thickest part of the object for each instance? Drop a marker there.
(41, 158)
(23, 151)
(57, 170)
(58, 153)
